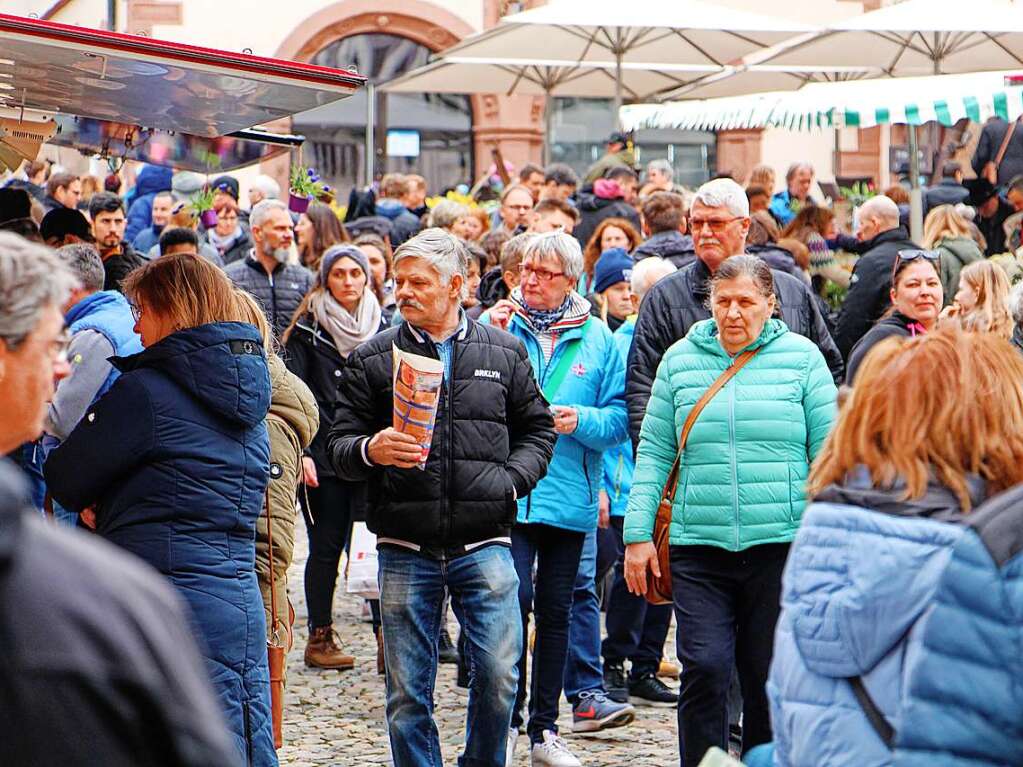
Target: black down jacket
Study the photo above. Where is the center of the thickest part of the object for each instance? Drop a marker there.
(677, 301)
(492, 440)
(279, 293)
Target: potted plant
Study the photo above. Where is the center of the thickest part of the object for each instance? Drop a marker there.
(306, 186)
(202, 203)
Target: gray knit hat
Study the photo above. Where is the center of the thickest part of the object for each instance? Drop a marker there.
(344, 250)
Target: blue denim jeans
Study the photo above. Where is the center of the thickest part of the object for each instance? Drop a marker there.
(484, 595)
(583, 669)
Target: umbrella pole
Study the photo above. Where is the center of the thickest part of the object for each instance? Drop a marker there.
(916, 207)
(371, 100)
(548, 126)
(618, 82)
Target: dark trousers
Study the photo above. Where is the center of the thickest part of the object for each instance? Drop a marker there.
(636, 629)
(328, 519)
(556, 553)
(726, 608)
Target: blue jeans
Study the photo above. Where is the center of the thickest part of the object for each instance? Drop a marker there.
(583, 669)
(555, 551)
(484, 590)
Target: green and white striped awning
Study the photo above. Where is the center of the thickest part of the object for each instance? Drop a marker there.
(856, 104)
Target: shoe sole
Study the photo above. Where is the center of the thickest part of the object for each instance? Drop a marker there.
(645, 703)
(340, 667)
(617, 719)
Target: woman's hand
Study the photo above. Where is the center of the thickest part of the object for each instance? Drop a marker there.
(566, 419)
(952, 310)
(603, 510)
(309, 472)
(88, 517)
(639, 557)
(501, 313)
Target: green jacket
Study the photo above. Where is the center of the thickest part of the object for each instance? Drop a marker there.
(956, 252)
(745, 466)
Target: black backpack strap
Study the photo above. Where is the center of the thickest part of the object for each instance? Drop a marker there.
(881, 726)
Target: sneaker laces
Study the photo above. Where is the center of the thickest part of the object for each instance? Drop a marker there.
(554, 742)
(598, 696)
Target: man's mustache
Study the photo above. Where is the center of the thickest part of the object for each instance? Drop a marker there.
(411, 303)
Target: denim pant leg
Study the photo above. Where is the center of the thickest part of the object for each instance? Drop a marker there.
(558, 553)
(411, 592)
(484, 595)
(625, 611)
(524, 556)
(703, 581)
(583, 669)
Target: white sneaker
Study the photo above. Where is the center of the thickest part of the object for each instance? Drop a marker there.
(553, 752)
(509, 754)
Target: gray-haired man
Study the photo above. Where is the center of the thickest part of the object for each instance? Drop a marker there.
(446, 527)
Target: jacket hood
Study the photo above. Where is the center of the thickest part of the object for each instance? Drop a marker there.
(390, 209)
(591, 202)
(492, 288)
(865, 568)
(665, 245)
(292, 401)
(963, 248)
(152, 179)
(607, 189)
(221, 364)
(705, 335)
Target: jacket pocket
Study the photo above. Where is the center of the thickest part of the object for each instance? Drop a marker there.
(789, 485)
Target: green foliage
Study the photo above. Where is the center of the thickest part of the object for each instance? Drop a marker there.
(858, 193)
(305, 182)
(202, 200)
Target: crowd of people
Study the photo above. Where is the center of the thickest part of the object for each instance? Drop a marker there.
(803, 444)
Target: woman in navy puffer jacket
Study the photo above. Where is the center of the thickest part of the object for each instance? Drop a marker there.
(172, 464)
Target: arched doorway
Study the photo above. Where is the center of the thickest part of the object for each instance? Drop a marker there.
(429, 134)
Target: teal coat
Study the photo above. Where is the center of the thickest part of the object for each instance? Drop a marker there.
(745, 467)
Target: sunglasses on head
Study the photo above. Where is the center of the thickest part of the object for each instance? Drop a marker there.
(910, 255)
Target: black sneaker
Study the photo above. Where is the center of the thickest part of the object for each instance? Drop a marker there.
(648, 690)
(616, 683)
(446, 652)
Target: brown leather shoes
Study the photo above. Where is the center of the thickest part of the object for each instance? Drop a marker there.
(324, 650)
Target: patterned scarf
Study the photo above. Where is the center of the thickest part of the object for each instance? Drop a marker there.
(542, 319)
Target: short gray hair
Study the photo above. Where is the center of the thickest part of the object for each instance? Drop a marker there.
(881, 207)
(441, 250)
(271, 189)
(795, 167)
(723, 191)
(446, 212)
(648, 271)
(83, 261)
(663, 166)
(32, 279)
(745, 265)
(561, 246)
(261, 211)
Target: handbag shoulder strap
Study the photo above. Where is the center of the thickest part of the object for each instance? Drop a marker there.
(737, 364)
(1005, 143)
(274, 622)
(877, 720)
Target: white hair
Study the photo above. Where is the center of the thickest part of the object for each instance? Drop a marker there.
(881, 207)
(1016, 303)
(440, 249)
(663, 166)
(795, 167)
(261, 211)
(446, 212)
(723, 192)
(561, 246)
(647, 272)
(269, 188)
(32, 279)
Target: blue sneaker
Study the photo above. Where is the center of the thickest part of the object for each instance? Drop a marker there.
(594, 711)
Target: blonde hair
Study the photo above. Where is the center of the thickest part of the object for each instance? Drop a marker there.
(991, 314)
(186, 289)
(945, 406)
(943, 223)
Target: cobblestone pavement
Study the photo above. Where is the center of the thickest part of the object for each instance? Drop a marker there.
(337, 718)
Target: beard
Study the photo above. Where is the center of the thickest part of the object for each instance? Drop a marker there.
(280, 255)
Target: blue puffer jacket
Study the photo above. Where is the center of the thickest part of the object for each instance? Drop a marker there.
(151, 179)
(618, 461)
(963, 698)
(175, 458)
(106, 312)
(595, 385)
(861, 573)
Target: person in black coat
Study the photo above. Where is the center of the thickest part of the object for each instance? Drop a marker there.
(720, 222)
(991, 137)
(949, 191)
(172, 465)
(443, 511)
(337, 315)
(612, 197)
(992, 212)
(664, 226)
(869, 292)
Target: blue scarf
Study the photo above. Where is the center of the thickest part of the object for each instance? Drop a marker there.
(542, 319)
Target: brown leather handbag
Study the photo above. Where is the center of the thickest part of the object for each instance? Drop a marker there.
(658, 590)
(276, 651)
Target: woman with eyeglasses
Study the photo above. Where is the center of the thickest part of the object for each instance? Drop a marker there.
(581, 373)
(172, 465)
(230, 239)
(916, 296)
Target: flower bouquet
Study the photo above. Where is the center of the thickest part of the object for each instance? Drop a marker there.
(202, 204)
(306, 186)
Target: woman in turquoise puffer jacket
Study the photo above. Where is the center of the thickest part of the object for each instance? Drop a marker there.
(740, 494)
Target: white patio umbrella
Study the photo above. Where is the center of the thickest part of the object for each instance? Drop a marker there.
(651, 33)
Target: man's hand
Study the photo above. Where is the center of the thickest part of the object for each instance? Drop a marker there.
(88, 517)
(566, 419)
(392, 448)
(309, 472)
(639, 557)
(501, 313)
(604, 510)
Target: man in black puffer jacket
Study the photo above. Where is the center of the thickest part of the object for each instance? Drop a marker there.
(720, 220)
(446, 525)
(611, 198)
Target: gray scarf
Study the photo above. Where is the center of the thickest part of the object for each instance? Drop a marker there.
(346, 330)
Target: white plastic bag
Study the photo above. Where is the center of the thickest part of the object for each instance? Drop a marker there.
(362, 563)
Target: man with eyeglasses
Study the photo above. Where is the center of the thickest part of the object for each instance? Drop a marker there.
(516, 209)
(719, 221)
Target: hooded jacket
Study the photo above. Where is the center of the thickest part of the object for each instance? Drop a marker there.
(175, 460)
(861, 574)
(897, 324)
(677, 301)
(595, 386)
(869, 290)
(151, 180)
(404, 225)
(290, 424)
(606, 202)
(956, 252)
(744, 469)
(671, 245)
(619, 463)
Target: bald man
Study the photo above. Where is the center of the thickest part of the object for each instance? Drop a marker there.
(868, 298)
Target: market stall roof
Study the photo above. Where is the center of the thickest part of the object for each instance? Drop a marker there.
(862, 103)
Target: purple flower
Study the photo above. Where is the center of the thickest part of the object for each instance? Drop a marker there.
(310, 172)
(326, 188)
